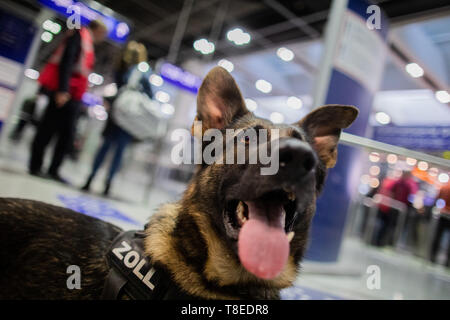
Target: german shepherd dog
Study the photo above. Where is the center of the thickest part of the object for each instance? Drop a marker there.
(235, 234)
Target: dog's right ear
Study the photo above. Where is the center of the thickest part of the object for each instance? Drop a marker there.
(219, 100)
(324, 126)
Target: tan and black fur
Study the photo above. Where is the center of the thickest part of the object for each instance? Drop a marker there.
(188, 239)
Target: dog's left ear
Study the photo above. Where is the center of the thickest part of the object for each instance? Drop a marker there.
(219, 100)
(323, 125)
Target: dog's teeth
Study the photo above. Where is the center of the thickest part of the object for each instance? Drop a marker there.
(240, 212)
(290, 235)
(291, 196)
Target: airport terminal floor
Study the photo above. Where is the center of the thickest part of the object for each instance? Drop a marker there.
(114, 109)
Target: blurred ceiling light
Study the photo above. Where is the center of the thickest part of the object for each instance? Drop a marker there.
(156, 80)
(251, 104)
(411, 161)
(95, 79)
(414, 70)
(374, 157)
(56, 28)
(204, 46)
(276, 117)
(46, 36)
(110, 90)
(443, 178)
(374, 182)
(391, 158)
(227, 65)
(143, 66)
(440, 203)
(51, 26)
(382, 118)
(374, 170)
(238, 36)
(263, 86)
(422, 165)
(442, 96)
(294, 102)
(167, 108)
(162, 96)
(47, 24)
(285, 54)
(122, 29)
(31, 73)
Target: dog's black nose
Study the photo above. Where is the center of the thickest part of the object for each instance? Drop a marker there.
(296, 157)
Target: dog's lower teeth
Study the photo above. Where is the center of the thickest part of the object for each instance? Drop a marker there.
(290, 236)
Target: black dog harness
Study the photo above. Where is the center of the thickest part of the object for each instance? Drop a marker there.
(132, 272)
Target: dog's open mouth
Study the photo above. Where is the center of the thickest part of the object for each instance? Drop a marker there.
(262, 228)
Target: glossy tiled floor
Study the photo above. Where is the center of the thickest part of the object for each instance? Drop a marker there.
(402, 276)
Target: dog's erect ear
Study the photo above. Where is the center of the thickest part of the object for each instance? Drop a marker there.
(324, 126)
(219, 100)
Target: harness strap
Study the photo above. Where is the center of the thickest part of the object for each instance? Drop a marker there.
(113, 284)
(131, 271)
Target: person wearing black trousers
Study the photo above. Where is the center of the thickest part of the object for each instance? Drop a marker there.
(443, 224)
(64, 78)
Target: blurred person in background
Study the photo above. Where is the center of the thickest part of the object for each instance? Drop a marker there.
(401, 190)
(113, 134)
(443, 201)
(65, 79)
(387, 216)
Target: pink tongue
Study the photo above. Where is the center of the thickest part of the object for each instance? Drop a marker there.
(263, 246)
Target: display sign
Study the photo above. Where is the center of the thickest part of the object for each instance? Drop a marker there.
(436, 138)
(117, 30)
(361, 52)
(180, 78)
(16, 36)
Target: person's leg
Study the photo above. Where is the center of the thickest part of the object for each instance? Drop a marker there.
(44, 132)
(437, 239)
(393, 214)
(414, 231)
(122, 140)
(98, 160)
(447, 228)
(383, 220)
(66, 131)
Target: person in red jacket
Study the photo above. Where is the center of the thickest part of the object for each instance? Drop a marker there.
(386, 214)
(443, 223)
(65, 79)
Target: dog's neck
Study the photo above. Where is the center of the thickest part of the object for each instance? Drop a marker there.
(182, 239)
